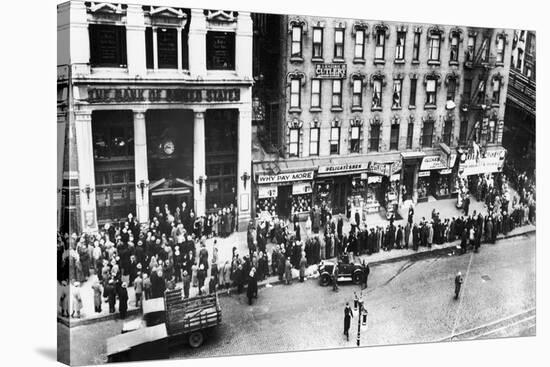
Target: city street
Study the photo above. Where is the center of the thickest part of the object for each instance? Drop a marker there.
(408, 302)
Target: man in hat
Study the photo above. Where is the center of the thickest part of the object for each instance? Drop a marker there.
(252, 289)
(186, 283)
(458, 284)
(96, 287)
(77, 300)
(123, 300)
(109, 292)
(348, 314)
(138, 287)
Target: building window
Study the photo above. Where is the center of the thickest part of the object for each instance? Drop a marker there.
(454, 48)
(485, 49)
(339, 44)
(394, 137)
(107, 45)
(463, 133)
(435, 42)
(220, 50)
(296, 50)
(337, 93)
(467, 92)
(317, 43)
(451, 89)
(520, 59)
(314, 141)
(316, 93)
(412, 96)
(167, 48)
(357, 100)
(427, 134)
(295, 91)
(500, 49)
(470, 48)
(359, 52)
(481, 92)
(377, 93)
(374, 140)
(294, 142)
(496, 91)
(410, 131)
(416, 46)
(355, 139)
(431, 92)
(492, 131)
(396, 99)
(380, 44)
(447, 132)
(335, 140)
(400, 46)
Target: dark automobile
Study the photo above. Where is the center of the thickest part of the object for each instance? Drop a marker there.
(346, 271)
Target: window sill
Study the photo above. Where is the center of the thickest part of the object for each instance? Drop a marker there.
(336, 109)
(430, 107)
(499, 63)
(356, 109)
(317, 59)
(412, 107)
(295, 110)
(415, 62)
(359, 61)
(453, 63)
(495, 105)
(338, 60)
(396, 108)
(315, 109)
(399, 61)
(379, 61)
(376, 109)
(434, 62)
(297, 59)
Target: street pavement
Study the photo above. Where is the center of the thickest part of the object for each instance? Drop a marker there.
(408, 302)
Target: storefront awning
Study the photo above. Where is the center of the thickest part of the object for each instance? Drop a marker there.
(412, 155)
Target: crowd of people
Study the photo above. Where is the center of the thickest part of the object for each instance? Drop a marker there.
(171, 249)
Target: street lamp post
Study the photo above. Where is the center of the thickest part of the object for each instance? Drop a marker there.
(361, 319)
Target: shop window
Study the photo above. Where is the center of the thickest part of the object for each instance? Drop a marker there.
(380, 47)
(434, 47)
(447, 132)
(339, 44)
(294, 142)
(377, 94)
(412, 96)
(374, 140)
(113, 134)
(519, 62)
(337, 93)
(220, 50)
(427, 134)
(314, 141)
(317, 43)
(394, 137)
(431, 92)
(416, 47)
(396, 99)
(316, 93)
(463, 133)
(355, 139)
(359, 52)
(451, 89)
(500, 49)
(295, 91)
(400, 46)
(410, 131)
(470, 48)
(453, 57)
(357, 100)
(296, 47)
(116, 194)
(335, 140)
(107, 45)
(496, 91)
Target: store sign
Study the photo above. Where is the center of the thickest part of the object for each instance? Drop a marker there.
(395, 177)
(396, 166)
(348, 167)
(374, 179)
(132, 95)
(424, 174)
(330, 71)
(493, 161)
(265, 192)
(380, 168)
(435, 162)
(445, 171)
(285, 177)
(301, 188)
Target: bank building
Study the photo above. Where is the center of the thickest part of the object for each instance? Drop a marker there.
(154, 108)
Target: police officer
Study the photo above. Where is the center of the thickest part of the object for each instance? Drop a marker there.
(348, 314)
(458, 284)
(335, 279)
(366, 272)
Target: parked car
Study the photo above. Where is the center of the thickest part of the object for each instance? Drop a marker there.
(347, 271)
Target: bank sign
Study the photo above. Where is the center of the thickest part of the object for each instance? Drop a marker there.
(330, 71)
(493, 161)
(186, 95)
(285, 177)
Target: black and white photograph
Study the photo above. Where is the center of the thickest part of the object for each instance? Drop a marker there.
(235, 182)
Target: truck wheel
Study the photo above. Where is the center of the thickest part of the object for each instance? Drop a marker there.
(357, 277)
(325, 280)
(196, 339)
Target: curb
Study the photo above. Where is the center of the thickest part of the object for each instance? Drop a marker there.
(263, 284)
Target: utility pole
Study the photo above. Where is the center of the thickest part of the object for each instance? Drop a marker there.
(362, 315)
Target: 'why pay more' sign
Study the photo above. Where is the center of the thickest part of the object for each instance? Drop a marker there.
(285, 177)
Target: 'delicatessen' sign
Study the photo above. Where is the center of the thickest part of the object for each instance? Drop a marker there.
(330, 71)
(187, 95)
(285, 177)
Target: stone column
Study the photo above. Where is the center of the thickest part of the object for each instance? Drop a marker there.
(244, 166)
(135, 39)
(180, 59)
(140, 162)
(243, 46)
(86, 175)
(197, 44)
(199, 164)
(61, 127)
(155, 50)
